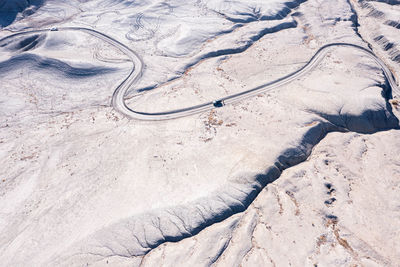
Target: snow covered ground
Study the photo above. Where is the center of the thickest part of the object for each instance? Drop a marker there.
(306, 174)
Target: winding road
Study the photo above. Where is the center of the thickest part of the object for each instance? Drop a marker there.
(118, 98)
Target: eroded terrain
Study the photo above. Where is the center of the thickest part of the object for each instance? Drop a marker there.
(84, 185)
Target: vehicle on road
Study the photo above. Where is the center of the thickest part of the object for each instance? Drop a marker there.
(118, 98)
(218, 103)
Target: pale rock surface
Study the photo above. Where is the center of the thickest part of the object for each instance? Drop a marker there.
(332, 210)
(380, 26)
(82, 185)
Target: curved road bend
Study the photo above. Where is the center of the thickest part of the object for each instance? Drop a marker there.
(118, 101)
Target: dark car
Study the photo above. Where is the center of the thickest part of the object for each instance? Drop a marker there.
(218, 103)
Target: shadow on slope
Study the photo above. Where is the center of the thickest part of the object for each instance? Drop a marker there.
(56, 66)
(139, 234)
(23, 44)
(9, 9)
